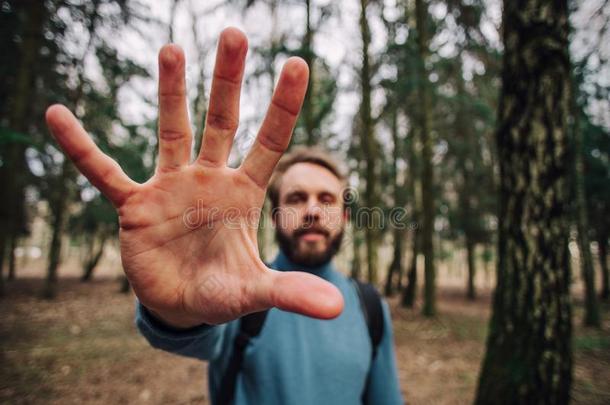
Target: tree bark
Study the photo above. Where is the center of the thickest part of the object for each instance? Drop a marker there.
(466, 153)
(12, 258)
(369, 147)
(592, 317)
(410, 293)
(59, 211)
(427, 244)
(2, 252)
(602, 242)
(396, 267)
(172, 19)
(94, 258)
(528, 358)
(471, 293)
(356, 271)
(309, 57)
(125, 286)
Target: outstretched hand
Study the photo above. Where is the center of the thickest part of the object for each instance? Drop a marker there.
(188, 235)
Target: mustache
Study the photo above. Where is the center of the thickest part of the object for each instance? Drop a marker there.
(311, 228)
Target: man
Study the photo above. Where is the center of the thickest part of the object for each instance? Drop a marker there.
(189, 249)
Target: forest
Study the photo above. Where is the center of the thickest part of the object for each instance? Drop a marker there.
(476, 134)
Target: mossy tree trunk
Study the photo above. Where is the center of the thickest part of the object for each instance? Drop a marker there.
(528, 358)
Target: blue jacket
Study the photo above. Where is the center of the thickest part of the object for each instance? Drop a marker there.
(295, 359)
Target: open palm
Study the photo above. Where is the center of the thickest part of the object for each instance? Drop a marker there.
(188, 235)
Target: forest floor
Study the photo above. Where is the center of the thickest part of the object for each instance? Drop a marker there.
(84, 348)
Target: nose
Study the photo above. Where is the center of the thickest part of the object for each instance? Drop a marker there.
(313, 209)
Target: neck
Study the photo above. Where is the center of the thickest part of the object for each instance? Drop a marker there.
(283, 263)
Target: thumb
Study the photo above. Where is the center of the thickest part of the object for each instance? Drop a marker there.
(304, 293)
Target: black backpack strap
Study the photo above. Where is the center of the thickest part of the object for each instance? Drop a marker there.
(372, 309)
(370, 300)
(250, 326)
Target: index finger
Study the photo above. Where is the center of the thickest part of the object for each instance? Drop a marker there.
(274, 136)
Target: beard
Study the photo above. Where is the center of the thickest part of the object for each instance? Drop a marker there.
(292, 248)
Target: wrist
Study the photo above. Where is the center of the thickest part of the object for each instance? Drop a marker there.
(178, 323)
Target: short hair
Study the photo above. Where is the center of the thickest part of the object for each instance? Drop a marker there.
(303, 154)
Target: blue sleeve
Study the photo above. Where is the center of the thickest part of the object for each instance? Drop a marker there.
(202, 342)
(384, 388)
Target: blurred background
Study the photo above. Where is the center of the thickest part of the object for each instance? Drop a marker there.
(405, 92)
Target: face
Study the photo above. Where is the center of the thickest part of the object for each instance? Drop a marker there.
(310, 217)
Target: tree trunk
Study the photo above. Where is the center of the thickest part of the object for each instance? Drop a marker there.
(93, 259)
(59, 211)
(172, 19)
(488, 266)
(400, 277)
(12, 258)
(396, 268)
(396, 265)
(470, 254)
(369, 147)
(356, 271)
(309, 57)
(602, 242)
(427, 244)
(592, 317)
(410, 293)
(466, 153)
(125, 286)
(528, 358)
(2, 251)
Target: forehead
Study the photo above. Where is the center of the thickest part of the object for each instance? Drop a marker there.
(311, 178)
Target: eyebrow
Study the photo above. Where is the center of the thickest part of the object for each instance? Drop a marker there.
(298, 192)
(293, 192)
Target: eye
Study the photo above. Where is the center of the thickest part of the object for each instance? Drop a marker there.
(295, 198)
(327, 199)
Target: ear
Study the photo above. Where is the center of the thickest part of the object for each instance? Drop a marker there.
(273, 214)
(346, 214)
